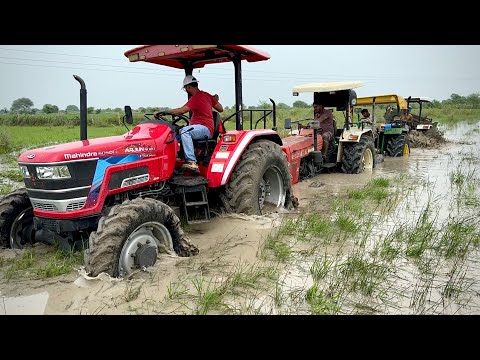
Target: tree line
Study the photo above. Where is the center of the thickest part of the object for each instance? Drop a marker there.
(26, 106)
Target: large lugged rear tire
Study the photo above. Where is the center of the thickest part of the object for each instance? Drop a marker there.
(398, 146)
(261, 177)
(131, 236)
(358, 156)
(16, 220)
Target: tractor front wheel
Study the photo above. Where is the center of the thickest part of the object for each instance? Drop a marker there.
(132, 235)
(358, 157)
(16, 220)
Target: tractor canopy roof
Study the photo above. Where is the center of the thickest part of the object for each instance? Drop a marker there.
(194, 56)
(326, 87)
(383, 99)
(331, 94)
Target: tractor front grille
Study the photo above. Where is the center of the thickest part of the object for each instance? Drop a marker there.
(58, 205)
(61, 195)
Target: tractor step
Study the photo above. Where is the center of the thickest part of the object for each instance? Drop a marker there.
(198, 221)
(196, 203)
(194, 200)
(189, 180)
(328, 165)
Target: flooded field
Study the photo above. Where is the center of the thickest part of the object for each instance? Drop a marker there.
(402, 239)
(416, 251)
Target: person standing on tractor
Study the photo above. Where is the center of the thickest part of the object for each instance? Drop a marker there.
(408, 117)
(201, 124)
(325, 117)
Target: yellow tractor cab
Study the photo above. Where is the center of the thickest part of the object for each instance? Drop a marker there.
(392, 129)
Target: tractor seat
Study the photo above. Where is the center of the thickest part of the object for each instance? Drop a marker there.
(210, 143)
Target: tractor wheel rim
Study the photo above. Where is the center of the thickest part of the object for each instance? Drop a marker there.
(367, 160)
(148, 237)
(272, 188)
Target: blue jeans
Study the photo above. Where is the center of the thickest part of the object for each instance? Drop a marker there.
(198, 132)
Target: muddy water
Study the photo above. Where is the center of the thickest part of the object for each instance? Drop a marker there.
(235, 242)
(430, 192)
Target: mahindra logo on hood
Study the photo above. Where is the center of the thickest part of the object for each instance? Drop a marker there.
(30, 156)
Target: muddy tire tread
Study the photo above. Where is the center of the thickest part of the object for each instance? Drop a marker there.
(10, 206)
(242, 189)
(395, 145)
(105, 244)
(353, 152)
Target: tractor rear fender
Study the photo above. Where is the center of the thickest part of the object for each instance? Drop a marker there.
(229, 150)
(351, 136)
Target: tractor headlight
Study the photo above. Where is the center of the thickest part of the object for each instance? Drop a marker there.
(53, 172)
(24, 171)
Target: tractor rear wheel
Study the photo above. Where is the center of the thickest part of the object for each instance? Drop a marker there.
(358, 156)
(261, 181)
(16, 220)
(398, 146)
(132, 235)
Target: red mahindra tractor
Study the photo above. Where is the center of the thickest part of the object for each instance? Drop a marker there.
(115, 196)
(351, 149)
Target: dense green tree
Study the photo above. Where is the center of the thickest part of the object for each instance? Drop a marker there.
(473, 100)
(456, 98)
(282, 106)
(300, 104)
(50, 109)
(72, 108)
(90, 110)
(22, 105)
(264, 105)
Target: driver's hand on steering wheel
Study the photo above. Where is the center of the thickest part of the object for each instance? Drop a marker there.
(157, 114)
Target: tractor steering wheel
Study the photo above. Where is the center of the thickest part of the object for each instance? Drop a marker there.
(175, 118)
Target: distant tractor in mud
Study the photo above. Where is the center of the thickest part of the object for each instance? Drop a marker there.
(391, 131)
(116, 197)
(419, 122)
(352, 148)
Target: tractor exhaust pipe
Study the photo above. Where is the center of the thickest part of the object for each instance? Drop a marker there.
(83, 108)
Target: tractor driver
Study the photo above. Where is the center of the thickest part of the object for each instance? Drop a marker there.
(325, 117)
(201, 123)
(409, 117)
(367, 118)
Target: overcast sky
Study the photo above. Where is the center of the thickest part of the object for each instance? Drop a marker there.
(44, 74)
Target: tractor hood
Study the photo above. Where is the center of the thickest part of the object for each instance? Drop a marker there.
(142, 140)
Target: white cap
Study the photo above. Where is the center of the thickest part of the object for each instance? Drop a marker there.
(189, 79)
